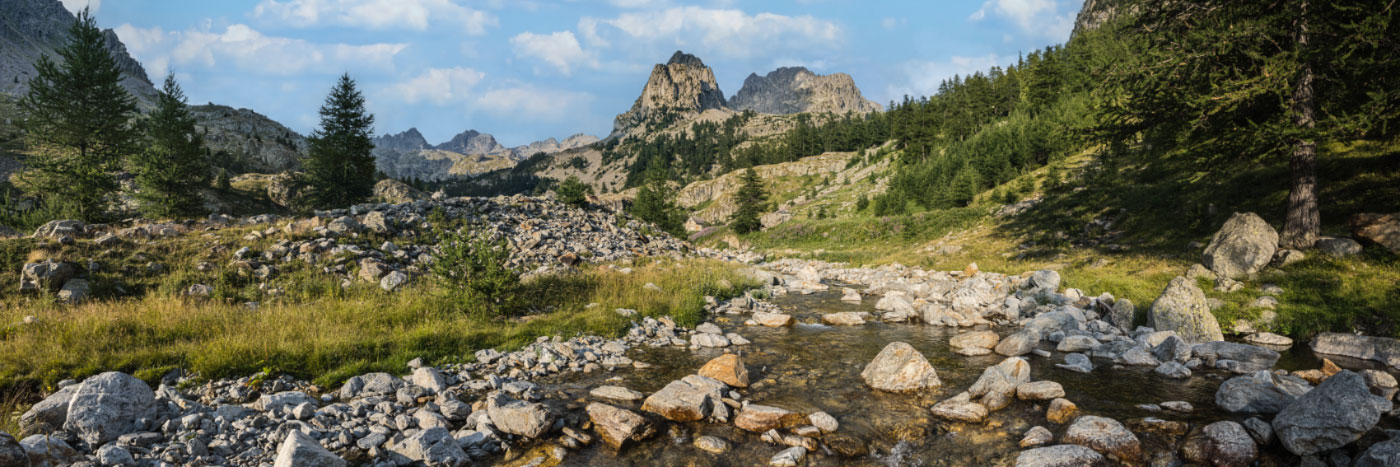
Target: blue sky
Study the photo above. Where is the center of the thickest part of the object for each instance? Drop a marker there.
(525, 70)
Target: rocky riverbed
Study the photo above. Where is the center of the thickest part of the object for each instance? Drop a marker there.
(834, 366)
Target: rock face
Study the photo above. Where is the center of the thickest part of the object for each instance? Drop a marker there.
(299, 450)
(1243, 246)
(1381, 349)
(1182, 308)
(247, 141)
(790, 90)
(683, 84)
(32, 28)
(107, 406)
(1334, 414)
(900, 368)
(619, 426)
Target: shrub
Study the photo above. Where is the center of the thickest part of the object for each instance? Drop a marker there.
(475, 265)
(573, 192)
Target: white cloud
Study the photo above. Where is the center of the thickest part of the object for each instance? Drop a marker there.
(1045, 18)
(244, 48)
(438, 86)
(377, 14)
(922, 78)
(560, 49)
(525, 101)
(77, 5)
(727, 32)
(890, 22)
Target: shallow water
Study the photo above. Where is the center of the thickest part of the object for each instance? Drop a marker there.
(814, 367)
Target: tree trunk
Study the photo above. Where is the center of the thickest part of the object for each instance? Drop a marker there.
(1300, 230)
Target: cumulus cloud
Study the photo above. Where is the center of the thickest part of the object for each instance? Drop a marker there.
(560, 49)
(726, 32)
(525, 101)
(1045, 18)
(377, 14)
(243, 48)
(438, 86)
(922, 77)
(77, 5)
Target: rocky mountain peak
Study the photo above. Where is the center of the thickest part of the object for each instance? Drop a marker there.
(30, 29)
(683, 84)
(472, 142)
(790, 90)
(406, 141)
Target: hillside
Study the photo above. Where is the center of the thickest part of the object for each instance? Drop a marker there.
(30, 29)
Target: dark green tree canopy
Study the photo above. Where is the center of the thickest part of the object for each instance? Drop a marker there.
(340, 166)
(749, 203)
(172, 169)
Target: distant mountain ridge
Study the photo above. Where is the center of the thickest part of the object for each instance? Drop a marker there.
(791, 90)
(408, 155)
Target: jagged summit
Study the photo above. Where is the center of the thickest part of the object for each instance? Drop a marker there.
(472, 142)
(682, 85)
(682, 58)
(405, 141)
(790, 90)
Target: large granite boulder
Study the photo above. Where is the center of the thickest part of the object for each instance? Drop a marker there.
(528, 419)
(1221, 444)
(107, 406)
(1334, 414)
(1182, 308)
(1105, 435)
(1262, 392)
(1242, 247)
(900, 368)
(688, 399)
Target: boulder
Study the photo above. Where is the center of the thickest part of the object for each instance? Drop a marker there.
(1036, 436)
(371, 384)
(11, 452)
(1182, 308)
(392, 280)
(60, 228)
(282, 400)
(1381, 349)
(982, 341)
(617, 393)
(1174, 370)
(1382, 454)
(823, 421)
(1270, 339)
(688, 399)
(46, 276)
(960, 408)
(1020, 343)
(1334, 414)
(844, 318)
(432, 446)
(521, 418)
(712, 444)
(761, 418)
(1221, 444)
(107, 406)
(1262, 392)
(1123, 314)
(1044, 280)
(49, 414)
(1077, 344)
(1172, 349)
(299, 450)
(74, 291)
(772, 320)
(1242, 247)
(396, 192)
(618, 426)
(900, 368)
(1337, 246)
(1236, 357)
(790, 457)
(1104, 435)
(997, 385)
(728, 369)
(429, 378)
(1382, 229)
(1061, 411)
(1077, 362)
(48, 451)
(1064, 455)
(1040, 391)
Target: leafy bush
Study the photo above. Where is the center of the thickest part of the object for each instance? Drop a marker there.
(573, 192)
(475, 265)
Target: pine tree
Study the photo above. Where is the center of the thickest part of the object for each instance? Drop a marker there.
(172, 169)
(339, 166)
(78, 120)
(749, 203)
(656, 204)
(573, 192)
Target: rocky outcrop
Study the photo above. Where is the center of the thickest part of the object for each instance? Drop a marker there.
(1242, 247)
(30, 29)
(683, 85)
(791, 90)
(472, 142)
(107, 406)
(246, 141)
(1182, 308)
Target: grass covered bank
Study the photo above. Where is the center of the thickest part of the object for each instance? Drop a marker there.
(333, 338)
